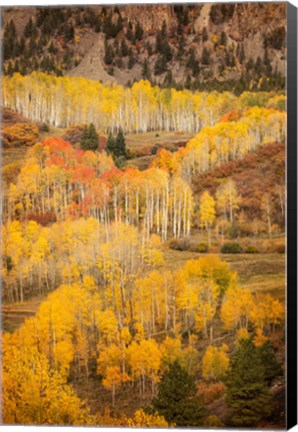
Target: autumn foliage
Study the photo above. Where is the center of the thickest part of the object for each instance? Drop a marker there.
(20, 134)
(92, 240)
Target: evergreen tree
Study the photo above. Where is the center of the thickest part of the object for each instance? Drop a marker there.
(259, 66)
(28, 28)
(267, 64)
(192, 63)
(131, 60)
(22, 45)
(52, 48)
(89, 138)
(205, 56)
(160, 65)
(158, 42)
(188, 82)
(177, 400)
(109, 54)
(169, 81)
(109, 27)
(111, 142)
(16, 66)
(120, 146)
(139, 31)
(250, 64)
(146, 74)
(240, 54)
(97, 24)
(268, 358)
(124, 48)
(164, 32)
(10, 69)
(119, 25)
(9, 40)
(129, 33)
(205, 34)
(180, 29)
(166, 51)
(247, 391)
(16, 49)
(69, 33)
(181, 48)
(223, 39)
(185, 17)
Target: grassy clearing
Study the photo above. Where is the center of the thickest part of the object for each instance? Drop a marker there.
(14, 315)
(140, 163)
(258, 272)
(14, 154)
(151, 139)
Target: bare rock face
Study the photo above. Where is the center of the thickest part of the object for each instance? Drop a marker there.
(252, 18)
(92, 64)
(203, 19)
(151, 17)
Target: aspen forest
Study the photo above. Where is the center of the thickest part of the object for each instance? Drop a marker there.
(143, 228)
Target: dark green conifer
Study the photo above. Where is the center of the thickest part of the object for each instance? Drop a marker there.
(177, 400)
(89, 138)
(247, 390)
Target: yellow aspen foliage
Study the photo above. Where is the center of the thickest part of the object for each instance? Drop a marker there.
(113, 380)
(215, 362)
(259, 339)
(170, 350)
(110, 356)
(144, 360)
(141, 419)
(227, 199)
(242, 333)
(33, 393)
(189, 359)
(267, 313)
(237, 306)
(207, 210)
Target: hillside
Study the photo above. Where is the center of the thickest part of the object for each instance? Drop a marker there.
(257, 174)
(195, 46)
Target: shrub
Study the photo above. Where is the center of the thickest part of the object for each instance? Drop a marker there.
(44, 128)
(21, 134)
(213, 421)
(44, 219)
(231, 247)
(155, 149)
(11, 171)
(280, 247)
(180, 244)
(252, 250)
(203, 248)
(73, 134)
(212, 392)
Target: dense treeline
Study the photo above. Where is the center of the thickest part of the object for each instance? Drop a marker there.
(64, 182)
(66, 101)
(231, 138)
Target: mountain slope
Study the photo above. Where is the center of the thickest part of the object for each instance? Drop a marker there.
(228, 46)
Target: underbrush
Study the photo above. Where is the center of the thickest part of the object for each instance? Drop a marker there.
(246, 245)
